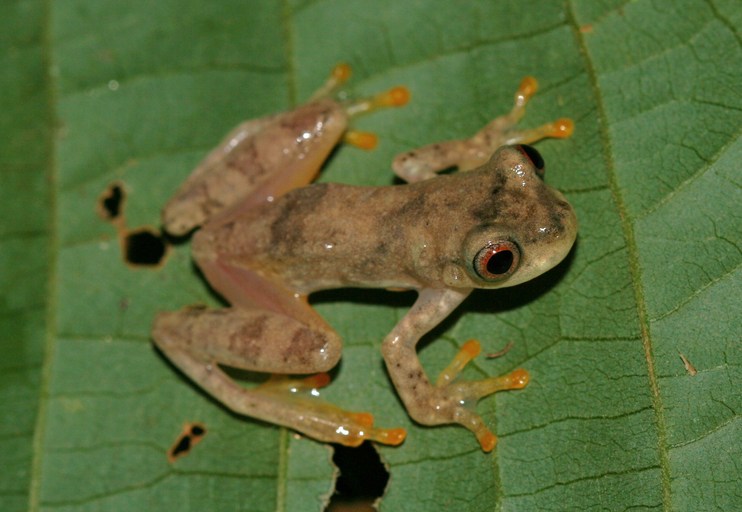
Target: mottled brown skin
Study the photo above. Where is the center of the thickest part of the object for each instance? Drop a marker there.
(281, 241)
(414, 236)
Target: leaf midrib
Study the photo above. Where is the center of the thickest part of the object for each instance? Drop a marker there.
(34, 488)
(632, 254)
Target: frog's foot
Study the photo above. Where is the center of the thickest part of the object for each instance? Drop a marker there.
(321, 420)
(500, 131)
(466, 394)
(394, 97)
(423, 163)
(292, 403)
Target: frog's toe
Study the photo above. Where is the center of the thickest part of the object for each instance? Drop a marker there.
(357, 427)
(467, 352)
(361, 140)
(389, 436)
(279, 382)
(474, 390)
(560, 129)
(487, 440)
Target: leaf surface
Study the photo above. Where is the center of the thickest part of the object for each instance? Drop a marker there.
(97, 92)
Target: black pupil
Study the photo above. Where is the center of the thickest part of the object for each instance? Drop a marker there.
(500, 262)
(534, 156)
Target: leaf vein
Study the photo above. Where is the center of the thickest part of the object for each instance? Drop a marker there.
(677, 189)
(569, 418)
(717, 428)
(588, 478)
(693, 295)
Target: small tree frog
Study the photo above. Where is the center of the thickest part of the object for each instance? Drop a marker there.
(269, 239)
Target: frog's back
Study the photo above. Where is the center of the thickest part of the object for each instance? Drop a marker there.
(323, 233)
(403, 236)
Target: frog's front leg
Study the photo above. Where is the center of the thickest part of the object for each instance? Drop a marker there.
(466, 154)
(448, 401)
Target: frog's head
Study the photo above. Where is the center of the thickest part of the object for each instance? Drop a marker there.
(524, 227)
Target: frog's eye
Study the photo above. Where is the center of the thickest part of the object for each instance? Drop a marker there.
(497, 260)
(535, 157)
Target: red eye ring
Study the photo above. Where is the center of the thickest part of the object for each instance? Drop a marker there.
(497, 260)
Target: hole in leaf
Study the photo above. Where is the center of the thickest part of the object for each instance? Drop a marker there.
(363, 478)
(144, 247)
(111, 201)
(141, 247)
(190, 436)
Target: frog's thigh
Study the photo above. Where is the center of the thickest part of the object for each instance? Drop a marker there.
(257, 340)
(268, 329)
(248, 290)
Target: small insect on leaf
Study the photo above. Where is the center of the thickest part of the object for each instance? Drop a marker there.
(688, 365)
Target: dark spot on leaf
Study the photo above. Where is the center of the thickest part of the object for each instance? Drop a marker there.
(190, 436)
(144, 247)
(182, 446)
(363, 478)
(111, 201)
(197, 430)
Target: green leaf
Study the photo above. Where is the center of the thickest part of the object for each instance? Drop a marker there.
(98, 91)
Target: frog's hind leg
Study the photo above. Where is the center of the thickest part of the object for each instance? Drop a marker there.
(394, 97)
(241, 167)
(198, 340)
(201, 195)
(467, 154)
(263, 159)
(257, 340)
(268, 330)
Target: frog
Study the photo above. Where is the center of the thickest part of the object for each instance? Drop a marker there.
(494, 223)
